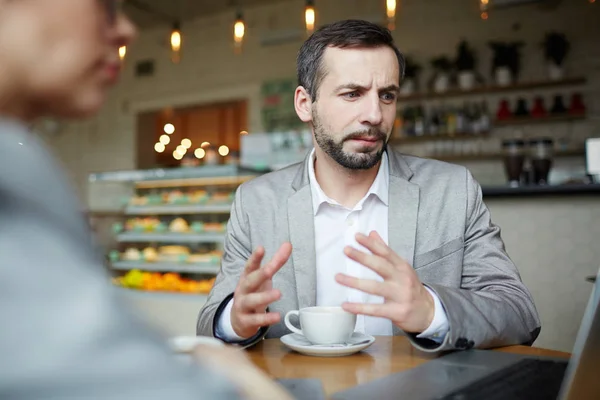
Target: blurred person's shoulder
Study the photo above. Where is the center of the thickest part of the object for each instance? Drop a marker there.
(33, 181)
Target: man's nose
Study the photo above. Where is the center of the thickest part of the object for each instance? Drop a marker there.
(371, 112)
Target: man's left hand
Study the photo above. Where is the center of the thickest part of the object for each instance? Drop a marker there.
(406, 301)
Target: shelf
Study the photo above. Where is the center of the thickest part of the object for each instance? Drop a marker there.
(142, 294)
(158, 175)
(130, 237)
(541, 120)
(493, 89)
(182, 182)
(204, 268)
(541, 190)
(430, 138)
(183, 209)
(493, 157)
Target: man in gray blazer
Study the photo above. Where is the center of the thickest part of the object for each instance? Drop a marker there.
(405, 243)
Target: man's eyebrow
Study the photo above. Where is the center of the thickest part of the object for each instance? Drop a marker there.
(356, 86)
(390, 88)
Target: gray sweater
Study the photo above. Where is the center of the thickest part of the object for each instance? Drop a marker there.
(64, 332)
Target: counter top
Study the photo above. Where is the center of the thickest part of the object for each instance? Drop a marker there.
(541, 190)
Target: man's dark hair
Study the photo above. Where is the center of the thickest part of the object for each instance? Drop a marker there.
(346, 33)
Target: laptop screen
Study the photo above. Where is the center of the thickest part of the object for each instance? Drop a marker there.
(581, 379)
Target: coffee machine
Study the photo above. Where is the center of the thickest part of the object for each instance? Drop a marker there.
(592, 158)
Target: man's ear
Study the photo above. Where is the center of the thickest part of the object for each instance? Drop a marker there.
(303, 104)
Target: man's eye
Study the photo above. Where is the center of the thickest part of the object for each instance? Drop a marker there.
(351, 95)
(388, 96)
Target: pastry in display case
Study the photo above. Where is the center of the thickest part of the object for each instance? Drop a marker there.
(170, 239)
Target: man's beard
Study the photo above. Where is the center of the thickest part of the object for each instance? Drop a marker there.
(355, 161)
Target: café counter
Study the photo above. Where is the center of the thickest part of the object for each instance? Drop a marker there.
(551, 233)
(542, 190)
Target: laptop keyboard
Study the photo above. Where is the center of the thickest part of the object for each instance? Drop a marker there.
(527, 379)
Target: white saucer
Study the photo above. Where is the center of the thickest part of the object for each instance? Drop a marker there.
(186, 344)
(300, 344)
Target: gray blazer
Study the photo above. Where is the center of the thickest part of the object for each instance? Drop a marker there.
(65, 333)
(437, 222)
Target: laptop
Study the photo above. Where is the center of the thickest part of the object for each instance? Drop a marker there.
(486, 374)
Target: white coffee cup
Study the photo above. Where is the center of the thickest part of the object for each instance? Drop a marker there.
(323, 325)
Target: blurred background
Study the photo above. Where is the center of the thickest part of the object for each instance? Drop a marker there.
(508, 88)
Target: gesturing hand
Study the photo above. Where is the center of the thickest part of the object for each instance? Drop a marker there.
(254, 292)
(407, 303)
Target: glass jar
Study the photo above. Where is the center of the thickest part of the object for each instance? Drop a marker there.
(513, 151)
(541, 152)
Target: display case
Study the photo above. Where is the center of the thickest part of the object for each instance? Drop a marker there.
(168, 238)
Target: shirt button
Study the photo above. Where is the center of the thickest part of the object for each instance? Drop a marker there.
(350, 222)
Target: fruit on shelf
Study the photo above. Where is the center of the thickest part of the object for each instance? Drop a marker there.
(179, 225)
(150, 254)
(149, 224)
(222, 197)
(131, 254)
(174, 253)
(198, 196)
(215, 227)
(167, 282)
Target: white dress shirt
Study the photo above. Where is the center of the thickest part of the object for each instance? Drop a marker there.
(335, 228)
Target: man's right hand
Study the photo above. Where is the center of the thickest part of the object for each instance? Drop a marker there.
(255, 292)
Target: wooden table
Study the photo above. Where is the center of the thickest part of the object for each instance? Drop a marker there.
(388, 355)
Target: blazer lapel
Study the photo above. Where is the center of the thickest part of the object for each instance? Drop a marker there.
(402, 217)
(402, 211)
(302, 236)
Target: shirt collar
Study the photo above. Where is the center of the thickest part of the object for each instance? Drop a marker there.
(379, 187)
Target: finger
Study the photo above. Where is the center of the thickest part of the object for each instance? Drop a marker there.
(261, 319)
(378, 264)
(370, 286)
(253, 282)
(279, 259)
(374, 310)
(377, 246)
(254, 261)
(261, 300)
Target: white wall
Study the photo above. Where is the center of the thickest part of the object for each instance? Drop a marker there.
(210, 71)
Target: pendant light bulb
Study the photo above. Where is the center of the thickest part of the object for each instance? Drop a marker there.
(310, 16)
(390, 10)
(122, 52)
(176, 38)
(239, 30)
(176, 41)
(483, 7)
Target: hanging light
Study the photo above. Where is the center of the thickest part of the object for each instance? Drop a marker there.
(223, 150)
(239, 29)
(169, 129)
(165, 139)
(390, 10)
(483, 7)
(187, 143)
(176, 43)
(199, 153)
(309, 16)
(122, 52)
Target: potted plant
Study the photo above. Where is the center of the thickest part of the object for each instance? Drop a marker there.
(442, 67)
(410, 81)
(556, 47)
(506, 63)
(465, 66)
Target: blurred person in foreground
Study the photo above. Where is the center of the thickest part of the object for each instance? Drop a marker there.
(406, 243)
(64, 332)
